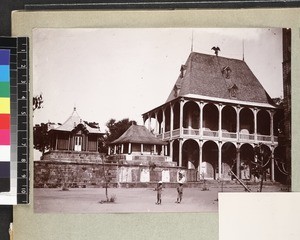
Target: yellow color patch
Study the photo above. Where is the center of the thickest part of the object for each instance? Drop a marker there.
(5, 105)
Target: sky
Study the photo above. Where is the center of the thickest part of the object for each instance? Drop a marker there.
(123, 73)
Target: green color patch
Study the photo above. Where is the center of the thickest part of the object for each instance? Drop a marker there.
(4, 89)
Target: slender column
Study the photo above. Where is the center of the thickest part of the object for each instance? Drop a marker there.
(181, 117)
(56, 140)
(154, 149)
(149, 122)
(220, 121)
(163, 124)
(238, 109)
(171, 150)
(86, 143)
(272, 165)
(69, 143)
(238, 161)
(156, 124)
(255, 124)
(166, 150)
(220, 160)
(200, 158)
(122, 148)
(129, 148)
(115, 149)
(201, 118)
(180, 152)
(142, 148)
(272, 125)
(171, 120)
(108, 150)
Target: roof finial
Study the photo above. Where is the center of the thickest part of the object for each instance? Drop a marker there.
(243, 50)
(216, 49)
(192, 43)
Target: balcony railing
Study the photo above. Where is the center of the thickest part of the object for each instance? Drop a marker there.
(167, 134)
(244, 136)
(264, 138)
(229, 135)
(176, 133)
(215, 134)
(209, 133)
(188, 131)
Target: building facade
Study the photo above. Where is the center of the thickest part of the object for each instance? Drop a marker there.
(73, 138)
(215, 115)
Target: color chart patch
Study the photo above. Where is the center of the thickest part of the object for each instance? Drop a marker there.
(4, 120)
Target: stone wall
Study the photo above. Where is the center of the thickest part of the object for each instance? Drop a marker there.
(53, 173)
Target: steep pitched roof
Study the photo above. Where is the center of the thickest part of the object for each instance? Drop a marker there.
(138, 134)
(73, 121)
(219, 77)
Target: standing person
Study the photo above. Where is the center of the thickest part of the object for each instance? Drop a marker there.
(159, 190)
(180, 192)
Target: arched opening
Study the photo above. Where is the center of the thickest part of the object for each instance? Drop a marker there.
(247, 160)
(159, 119)
(228, 159)
(228, 119)
(150, 123)
(176, 119)
(191, 115)
(282, 167)
(176, 152)
(278, 125)
(167, 119)
(210, 160)
(246, 121)
(210, 117)
(263, 122)
(190, 154)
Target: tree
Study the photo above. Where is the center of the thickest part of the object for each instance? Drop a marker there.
(41, 140)
(37, 102)
(263, 157)
(115, 130)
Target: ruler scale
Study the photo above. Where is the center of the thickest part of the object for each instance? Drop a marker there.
(19, 106)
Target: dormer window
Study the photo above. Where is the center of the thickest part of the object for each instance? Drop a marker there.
(176, 90)
(182, 70)
(233, 91)
(226, 71)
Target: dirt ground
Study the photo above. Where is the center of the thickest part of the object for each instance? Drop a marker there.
(128, 200)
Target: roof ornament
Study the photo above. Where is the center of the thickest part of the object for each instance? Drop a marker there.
(192, 42)
(216, 49)
(243, 50)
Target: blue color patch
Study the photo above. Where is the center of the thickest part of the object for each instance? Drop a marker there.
(4, 73)
(4, 56)
(4, 170)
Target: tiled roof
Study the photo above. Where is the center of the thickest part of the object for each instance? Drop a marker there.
(212, 76)
(138, 134)
(72, 122)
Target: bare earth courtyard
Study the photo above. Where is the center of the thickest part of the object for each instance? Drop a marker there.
(132, 200)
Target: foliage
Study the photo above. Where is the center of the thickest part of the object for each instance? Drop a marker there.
(37, 102)
(112, 198)
(115, 130)
(41, 140)
(263, 158)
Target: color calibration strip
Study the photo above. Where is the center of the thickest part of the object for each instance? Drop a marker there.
(4, 120)
(19, 115)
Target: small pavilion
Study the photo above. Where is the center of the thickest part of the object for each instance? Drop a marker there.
(137, 140)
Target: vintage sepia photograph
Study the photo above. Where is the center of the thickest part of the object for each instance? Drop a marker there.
(130, 120)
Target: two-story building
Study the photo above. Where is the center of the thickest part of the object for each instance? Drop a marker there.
(215, 115)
